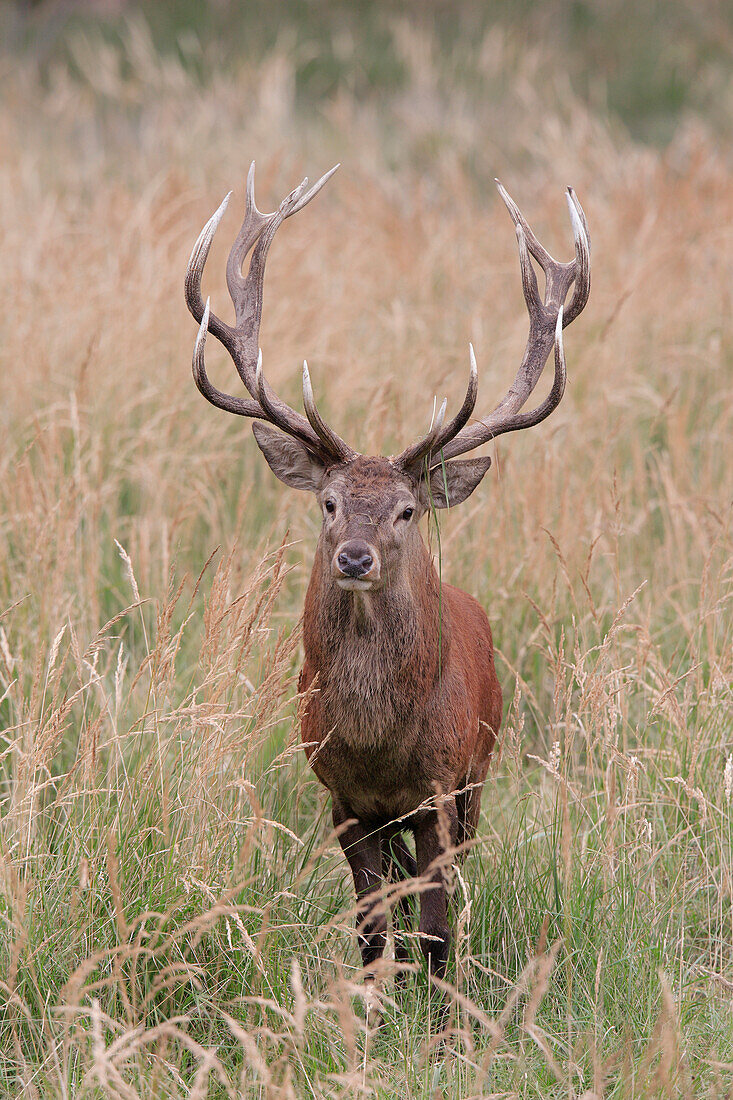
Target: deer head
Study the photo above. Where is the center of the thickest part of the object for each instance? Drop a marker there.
(371, 506)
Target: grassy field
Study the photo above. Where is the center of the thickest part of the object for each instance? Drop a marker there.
(176, 917)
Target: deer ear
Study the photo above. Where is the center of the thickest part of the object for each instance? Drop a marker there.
(288, 459)
(451, 482)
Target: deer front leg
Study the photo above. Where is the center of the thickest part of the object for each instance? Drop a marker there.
(435, 834)
(362, 847)
(398, 865)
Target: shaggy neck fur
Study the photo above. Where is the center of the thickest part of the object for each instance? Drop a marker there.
(377, 653)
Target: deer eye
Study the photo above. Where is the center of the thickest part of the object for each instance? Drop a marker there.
(330, 507)
(408, 513)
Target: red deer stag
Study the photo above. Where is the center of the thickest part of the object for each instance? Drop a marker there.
(406, 705)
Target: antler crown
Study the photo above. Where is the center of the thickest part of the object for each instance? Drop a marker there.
(548, 316)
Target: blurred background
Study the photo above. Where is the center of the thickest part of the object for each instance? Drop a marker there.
(649, 67)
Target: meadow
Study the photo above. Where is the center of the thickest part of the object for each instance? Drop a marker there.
(176, 915)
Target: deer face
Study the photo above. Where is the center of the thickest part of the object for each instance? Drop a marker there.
(370, 513)
(370, 506)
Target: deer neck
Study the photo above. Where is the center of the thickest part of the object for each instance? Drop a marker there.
(399, 628)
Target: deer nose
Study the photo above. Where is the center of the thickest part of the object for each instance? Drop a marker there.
(355, 559)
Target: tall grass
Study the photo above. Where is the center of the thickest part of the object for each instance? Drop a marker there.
(175, 914)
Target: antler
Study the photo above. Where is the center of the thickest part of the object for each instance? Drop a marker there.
(546, 321)
(242, 340)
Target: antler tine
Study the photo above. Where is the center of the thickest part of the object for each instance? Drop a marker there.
(328, 437)
(241, 341)
(313, 191)
(544, 319)
(197, 260)
(530, 288)
(581, 290)
(252, 225)
(469, 403)
(282, 417)
(272, 409)
(194, 274)
(413, 456)
(540, 253)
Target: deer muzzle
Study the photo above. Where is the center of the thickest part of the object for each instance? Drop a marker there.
(355, 565)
